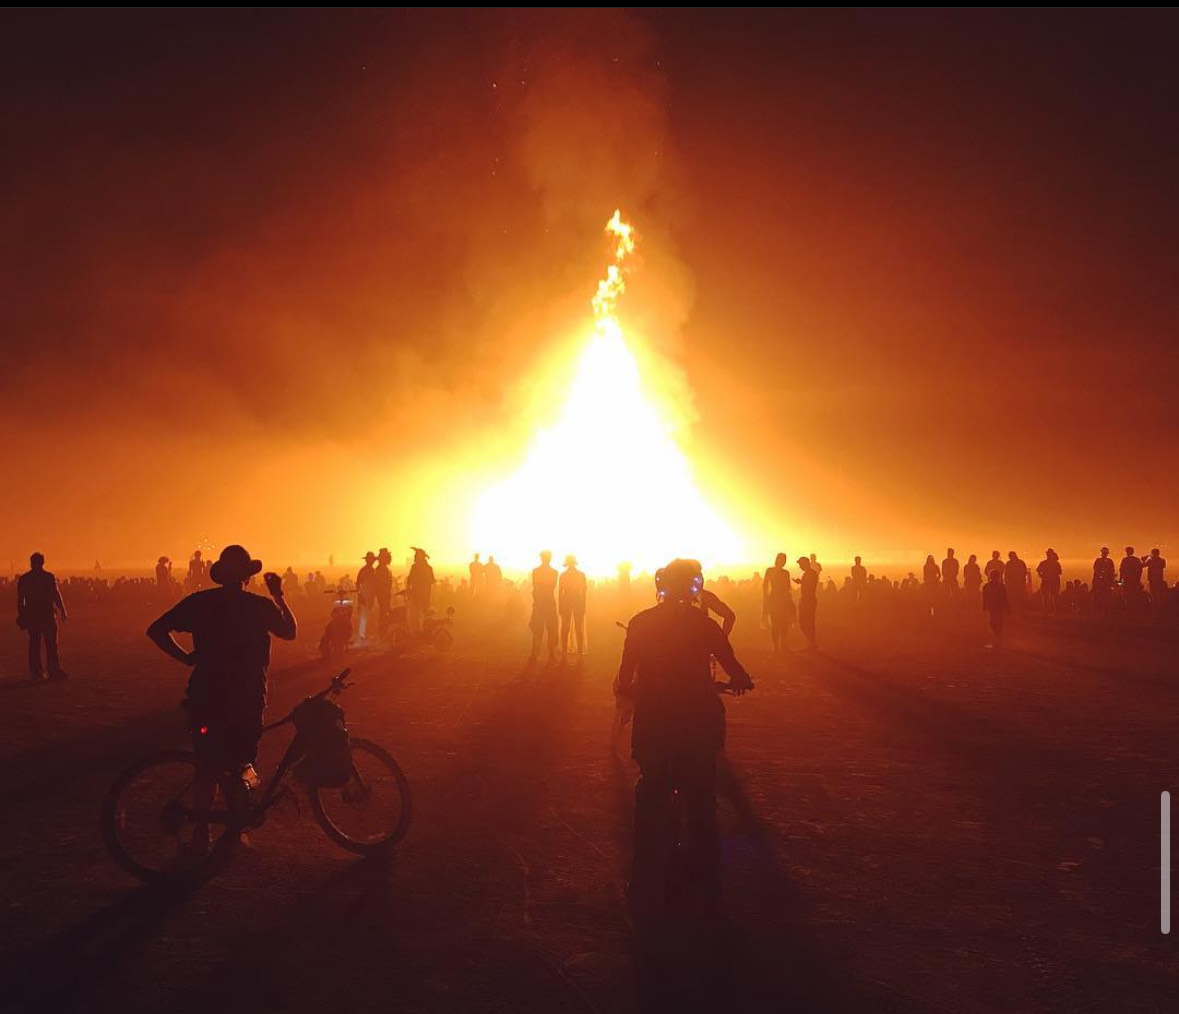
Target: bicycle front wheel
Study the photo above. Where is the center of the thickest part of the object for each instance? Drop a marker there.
(149, 816)
(370, 813)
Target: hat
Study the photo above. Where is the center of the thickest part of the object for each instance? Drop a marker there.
(369, 556)
(163, 559)
(384, 555)
(234, 564)
(419, 551)
(803, 559)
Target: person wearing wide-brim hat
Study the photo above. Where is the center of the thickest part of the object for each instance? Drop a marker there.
(571, 596)
(419, 585)
(366, 597)
(163, 573)
(230, 630)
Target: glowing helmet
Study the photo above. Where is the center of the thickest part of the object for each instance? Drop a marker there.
(680, 581)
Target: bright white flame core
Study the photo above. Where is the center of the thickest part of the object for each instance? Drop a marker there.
(607, 482)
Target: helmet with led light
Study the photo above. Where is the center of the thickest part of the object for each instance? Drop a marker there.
(680, 581)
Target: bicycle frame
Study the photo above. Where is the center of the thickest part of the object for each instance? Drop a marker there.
(294, 752)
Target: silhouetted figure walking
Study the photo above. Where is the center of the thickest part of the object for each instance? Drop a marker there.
(1049, 571)
(231, 630)
(777, 602)
(808, 601)
(571, 595)
(950, 576)
(1104, 582)
(679, 729)
(996, 606)
(544, 606)
(419, 586)
(476, 569)
(38, 605)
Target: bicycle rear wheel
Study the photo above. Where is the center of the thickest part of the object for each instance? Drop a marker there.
(149, 815)
(371, 811)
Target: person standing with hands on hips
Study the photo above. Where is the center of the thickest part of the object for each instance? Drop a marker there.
(230, 630)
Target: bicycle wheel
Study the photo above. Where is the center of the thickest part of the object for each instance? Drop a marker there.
(371, 811)
(149, 814)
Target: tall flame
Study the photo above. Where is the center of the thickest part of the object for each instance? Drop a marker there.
(608, 482)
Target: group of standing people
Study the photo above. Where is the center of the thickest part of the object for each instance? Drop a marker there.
(558, 606)
(376, 588)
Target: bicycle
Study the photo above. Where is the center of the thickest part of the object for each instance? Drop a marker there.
(148, 813)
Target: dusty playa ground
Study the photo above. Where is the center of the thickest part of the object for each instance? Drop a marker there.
(911, 823)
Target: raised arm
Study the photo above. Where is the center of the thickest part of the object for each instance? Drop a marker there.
(283, 625)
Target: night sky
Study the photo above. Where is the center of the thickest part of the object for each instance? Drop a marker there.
(280, 273)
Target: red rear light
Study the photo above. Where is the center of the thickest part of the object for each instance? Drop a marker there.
(204, 730)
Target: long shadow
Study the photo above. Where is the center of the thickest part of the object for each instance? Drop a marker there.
(773, 963)
(49, 769)
(61, 972)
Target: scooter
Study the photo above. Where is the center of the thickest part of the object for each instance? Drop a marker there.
(338, 633)
(435, 632)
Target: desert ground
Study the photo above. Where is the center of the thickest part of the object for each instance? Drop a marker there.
(911, 822)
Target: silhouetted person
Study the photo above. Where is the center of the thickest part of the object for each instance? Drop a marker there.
(995, 563)
(859, 578)
(678, 731)
(932, 576)
(1104, 582)
(383, 581)
(808, 600)
(1156, 579)
(571, 595)
(972, 578)
(419, 586)
(950, 576)
(1049, 571)
(995, 605)
(476, 568)
(231, 630)
(493, 582)
(1015, 580)
(366, 597)
(196, 572)
(38, 605)
(544, 606)
(164, 575)
(1130, 571)
(710, 602)
(777, 602)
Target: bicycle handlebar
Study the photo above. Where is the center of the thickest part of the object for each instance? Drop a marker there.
(337, 686)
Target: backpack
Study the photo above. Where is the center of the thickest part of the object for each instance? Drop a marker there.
(327, 754)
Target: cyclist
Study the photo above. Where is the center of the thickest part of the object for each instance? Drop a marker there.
(231, 630)
(678, 730)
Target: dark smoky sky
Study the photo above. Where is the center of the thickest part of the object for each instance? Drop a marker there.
(260, 269)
